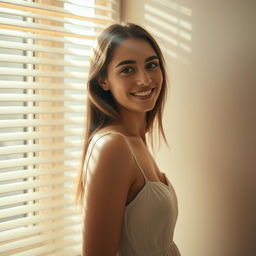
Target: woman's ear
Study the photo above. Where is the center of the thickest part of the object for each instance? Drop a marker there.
(104, 84)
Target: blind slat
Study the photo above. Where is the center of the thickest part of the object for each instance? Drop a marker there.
(49, 49)
(20, 233)
(38, 110)
(20, 210)
(52, 247)
(27, 35)
(46, 17)
(36, 85)
(67, 251)
(90, 5)
(36, 172)
(26, 197)
(39, 135)
(40, 61)
(28, 72)
(40, 122)
(17, 149)
(25, 185)
(45, 29)
(37, 98)
(37, 160)
(30, 220)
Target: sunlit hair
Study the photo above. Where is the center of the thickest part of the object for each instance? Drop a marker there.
(102, 109)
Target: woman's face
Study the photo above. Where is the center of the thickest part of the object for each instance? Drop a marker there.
(134, 76)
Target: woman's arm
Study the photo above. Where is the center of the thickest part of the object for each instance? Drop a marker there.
(109, 177)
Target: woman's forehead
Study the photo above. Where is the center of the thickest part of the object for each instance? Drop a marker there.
(133, 48)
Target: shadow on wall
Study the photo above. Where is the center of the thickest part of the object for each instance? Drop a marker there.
(170, 23)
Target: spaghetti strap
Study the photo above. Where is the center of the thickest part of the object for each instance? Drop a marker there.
(137, 162)
(113, 132)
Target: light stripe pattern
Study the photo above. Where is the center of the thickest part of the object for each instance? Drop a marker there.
(45, 47)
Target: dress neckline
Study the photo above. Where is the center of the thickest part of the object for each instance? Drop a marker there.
(160, 182)
(148, 182)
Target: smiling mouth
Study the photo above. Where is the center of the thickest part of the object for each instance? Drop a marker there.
(143, 94)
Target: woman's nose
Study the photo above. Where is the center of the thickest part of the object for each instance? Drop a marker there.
(144, 78)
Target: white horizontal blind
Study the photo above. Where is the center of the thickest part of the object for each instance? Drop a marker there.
(44, 53)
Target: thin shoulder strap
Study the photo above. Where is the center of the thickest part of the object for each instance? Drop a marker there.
(128, 146)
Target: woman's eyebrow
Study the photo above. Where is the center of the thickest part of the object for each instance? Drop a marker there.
(124, 62)
(151, 58)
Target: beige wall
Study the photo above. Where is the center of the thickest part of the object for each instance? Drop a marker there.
(210, 119)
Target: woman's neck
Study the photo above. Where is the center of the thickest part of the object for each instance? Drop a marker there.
(132, 125)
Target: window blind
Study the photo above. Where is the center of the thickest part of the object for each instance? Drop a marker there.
(45, 47)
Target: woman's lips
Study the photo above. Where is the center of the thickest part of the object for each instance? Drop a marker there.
(143, 94)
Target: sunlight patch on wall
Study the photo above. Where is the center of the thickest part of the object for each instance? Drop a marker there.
(170, 23)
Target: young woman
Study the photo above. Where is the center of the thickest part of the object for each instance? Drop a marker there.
(129, 205)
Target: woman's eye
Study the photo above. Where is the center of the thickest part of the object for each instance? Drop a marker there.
(152, 65)
(126, 70)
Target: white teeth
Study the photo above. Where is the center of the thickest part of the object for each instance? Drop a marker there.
(142, 93)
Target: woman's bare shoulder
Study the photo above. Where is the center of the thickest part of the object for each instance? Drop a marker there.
(110, 139)
(111, 150)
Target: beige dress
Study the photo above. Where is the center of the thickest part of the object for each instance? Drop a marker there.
(149, 219)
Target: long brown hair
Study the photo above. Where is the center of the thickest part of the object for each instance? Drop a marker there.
(101, 106)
